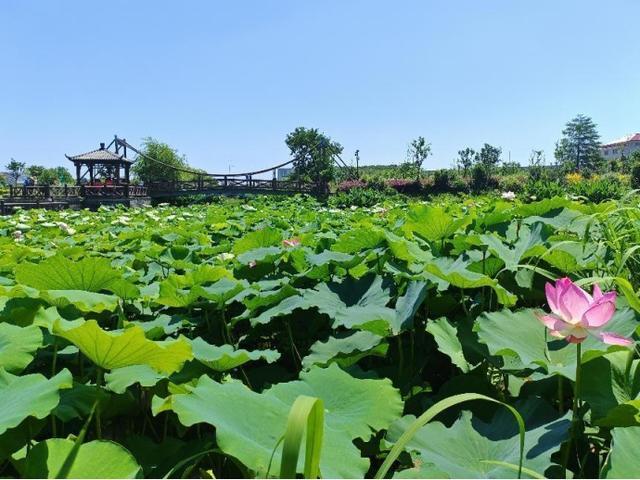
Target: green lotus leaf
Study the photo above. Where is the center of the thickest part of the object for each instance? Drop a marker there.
(184, 290)
(262, 255)
(249, 424)
(225, 357)
(354, 304)
(433, 223)
(267, 237)
(565, 220)
(220, 291)
(329, 257)
(446, 336)
(161, 326)
(95, 459)
(266, 298)
(127, 347)
(18, 346)
(543, 207)
(20, 311)
(610, 382)
(91, 274)
(77, 402)
(623, 461)
(406, 250)
(119, 379)
(29, 396)
(456, 273)
(471, 448)
(528, 239)
(626, 414)
(407, 305)
(358, 239)
(82, 300)
(345, 350)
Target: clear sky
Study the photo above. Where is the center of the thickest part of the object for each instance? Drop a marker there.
(224, 82)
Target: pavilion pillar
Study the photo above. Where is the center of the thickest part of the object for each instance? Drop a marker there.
(90, 166)
(126, 173)
(77, 173)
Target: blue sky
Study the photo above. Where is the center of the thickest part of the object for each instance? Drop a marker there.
(224, 82)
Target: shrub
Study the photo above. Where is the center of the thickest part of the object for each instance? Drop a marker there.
(543, 189)
(512, 183)
(635, 175)
(481, 178)
(347, 185)
(359, 197)
(600, 188)
(460, 184)
(442, 180)
(401, 185)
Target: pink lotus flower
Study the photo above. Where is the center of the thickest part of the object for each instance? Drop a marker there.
(292, 242)
(576, 314)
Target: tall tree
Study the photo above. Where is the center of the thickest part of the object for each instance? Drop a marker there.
(15, 169)
(151, 171)
(465, 159)
(313, 155)
(489, 156)
(418, 151)
(579, 147)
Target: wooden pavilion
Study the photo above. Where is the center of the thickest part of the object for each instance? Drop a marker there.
(101, 164)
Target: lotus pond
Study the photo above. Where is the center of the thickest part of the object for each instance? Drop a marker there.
(264, 337)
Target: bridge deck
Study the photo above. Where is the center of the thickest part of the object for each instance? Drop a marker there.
(225, 185)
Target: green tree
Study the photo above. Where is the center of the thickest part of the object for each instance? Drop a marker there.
(15, 169)
(35, 171)
(56, 176)
(489, 157)
(163, 170)
(313, 155)
(418, 151)
(465, 159)
(579, 147)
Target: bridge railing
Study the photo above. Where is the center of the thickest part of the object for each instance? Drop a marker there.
(43, 192)
(230, 183)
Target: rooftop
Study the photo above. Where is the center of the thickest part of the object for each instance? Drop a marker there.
(633, 137)
(99, 155)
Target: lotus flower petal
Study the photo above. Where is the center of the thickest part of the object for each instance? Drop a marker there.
(615, 339)
(599, 314)
(550, 321)
(597, 293)
(573, 302)
(552, 298)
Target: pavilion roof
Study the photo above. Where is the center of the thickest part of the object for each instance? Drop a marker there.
(100, 155)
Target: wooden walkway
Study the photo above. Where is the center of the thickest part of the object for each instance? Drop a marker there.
(62, 196)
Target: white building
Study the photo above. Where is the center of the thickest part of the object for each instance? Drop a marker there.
(622, 146)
